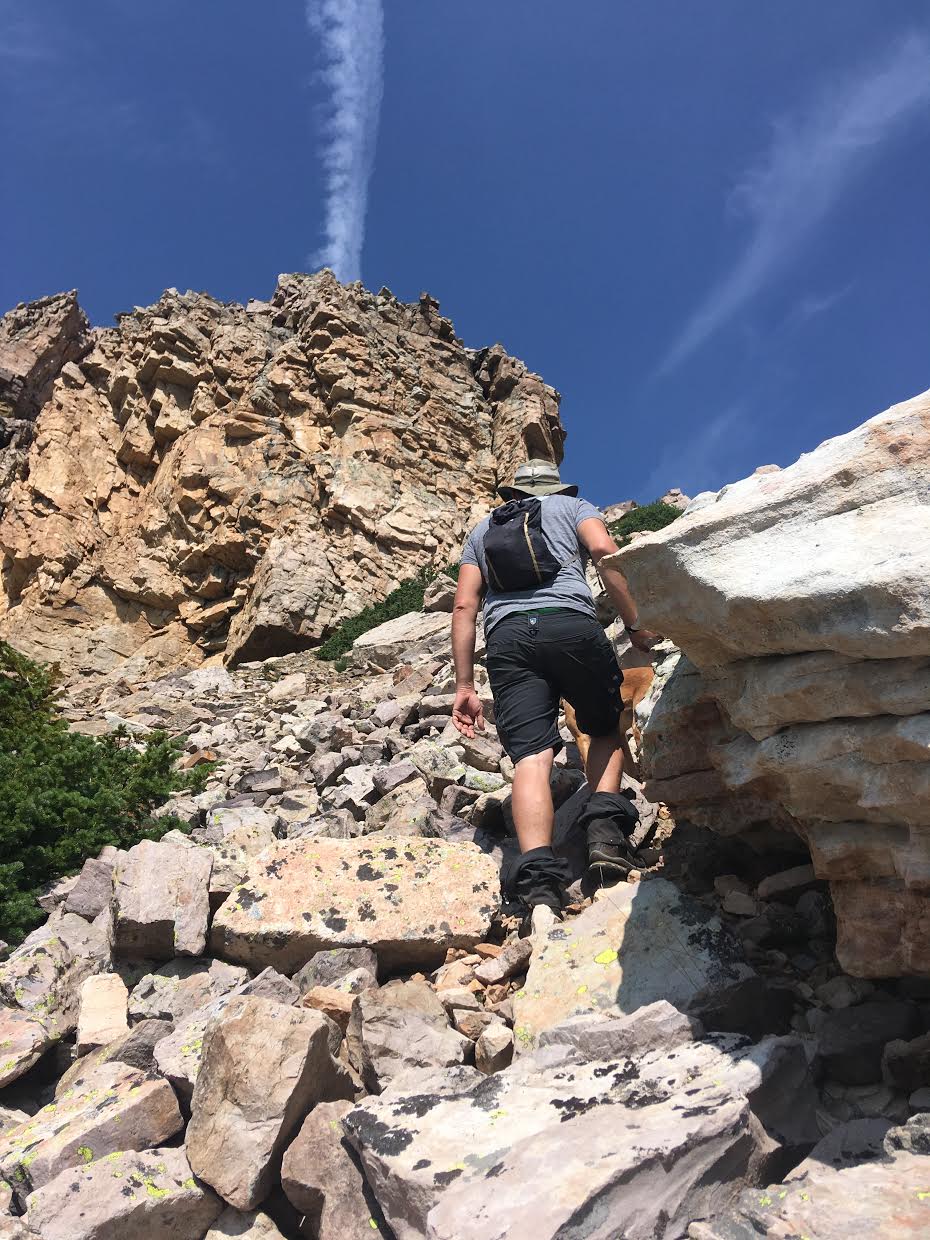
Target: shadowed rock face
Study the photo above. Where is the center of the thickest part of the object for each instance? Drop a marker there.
(209, 476)
(800, 599)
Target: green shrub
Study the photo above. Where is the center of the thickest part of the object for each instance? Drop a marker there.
(649, 517)
(63, 796)
(406, 598)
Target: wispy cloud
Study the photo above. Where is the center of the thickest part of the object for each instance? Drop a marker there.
(352, 35)
(809, 163)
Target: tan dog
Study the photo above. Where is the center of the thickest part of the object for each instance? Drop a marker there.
(636, 684)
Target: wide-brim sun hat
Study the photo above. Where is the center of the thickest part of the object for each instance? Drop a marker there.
(536, 477)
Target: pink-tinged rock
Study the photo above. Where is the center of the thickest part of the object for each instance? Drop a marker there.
(409, 900)
(103, 1013)
(22, 1041)
(161, 901)
(125, 1196)
(264, 1067)
(43, 975)
(114, 1108)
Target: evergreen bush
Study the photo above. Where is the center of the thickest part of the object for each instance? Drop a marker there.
(63, 796)
(649, 517)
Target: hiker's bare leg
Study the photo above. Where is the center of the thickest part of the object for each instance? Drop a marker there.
(531, 800)
(604, 767)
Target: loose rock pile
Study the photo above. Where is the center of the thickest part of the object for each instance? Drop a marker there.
(309, 1017)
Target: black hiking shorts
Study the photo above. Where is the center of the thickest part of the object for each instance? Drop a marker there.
(534, 660)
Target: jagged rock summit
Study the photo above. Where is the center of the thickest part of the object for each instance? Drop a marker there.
(208, 476)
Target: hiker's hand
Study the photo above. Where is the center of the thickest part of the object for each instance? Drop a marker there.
(467, 712)
(644, 639)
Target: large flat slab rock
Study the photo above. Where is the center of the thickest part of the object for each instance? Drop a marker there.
(554, 1146)
(409, 900)
(638, 943)
(115, 1107)
(161, 901)
(127, 1195)
(264, 1067)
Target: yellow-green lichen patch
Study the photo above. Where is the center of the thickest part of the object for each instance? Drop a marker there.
(86, 1153)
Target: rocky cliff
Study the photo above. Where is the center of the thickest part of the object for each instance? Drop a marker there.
(800, 600)
(213, 477)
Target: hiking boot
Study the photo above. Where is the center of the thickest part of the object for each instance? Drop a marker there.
(609, 861)
(536, 878)
(609, 820)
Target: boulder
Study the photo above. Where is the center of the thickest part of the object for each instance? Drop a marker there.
(321, 1178)
(906, 1065)
(231, 858)
(494, 1048)
(402, 638)
(103, 1013)
(617, 1143)
(336, 1004)
(161, 901)
(345, 968)
(398, 1029)
(264, 1067)
(609, 1035)
(150, 1195)
(409, 901)
(802, 701)
(113, 1108)
(251, 1225)
(43, 976)
(178, 1056)
(181, 987)
(877, 1198)
(851, 1041)
(638, 943)
(90, 895)
(22, 1042)
(135, 1048)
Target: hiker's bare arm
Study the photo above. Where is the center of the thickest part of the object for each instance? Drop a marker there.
(596, 538)
(467, 713)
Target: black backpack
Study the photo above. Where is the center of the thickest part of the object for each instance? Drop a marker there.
(515, 548)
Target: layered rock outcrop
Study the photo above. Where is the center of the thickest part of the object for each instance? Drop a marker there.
(800, 600)
(209, 476)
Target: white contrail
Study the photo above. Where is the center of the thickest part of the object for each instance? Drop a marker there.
(352, 34)
(805, 172)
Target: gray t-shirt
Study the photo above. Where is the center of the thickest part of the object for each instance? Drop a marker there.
(561, 516)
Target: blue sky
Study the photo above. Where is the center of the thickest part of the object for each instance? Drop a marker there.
(706, 223)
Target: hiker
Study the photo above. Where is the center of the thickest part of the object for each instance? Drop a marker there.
(526, 561)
